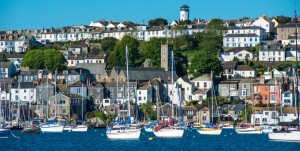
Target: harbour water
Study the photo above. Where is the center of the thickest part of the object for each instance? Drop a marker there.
(95, 139)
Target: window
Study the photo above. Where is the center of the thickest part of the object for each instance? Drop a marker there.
(140, 98)
(266, 113)
(79, 90)
(24, 91)
(64, 111)
(106, 101)
(286, 95)
(24, 97)
(140, 92)
(273, 97)
(16, 97)
(205, 84)
(272, 89)
(17, 91)
(244, 92)
(240, 55)
(244, 39)
(266, 88)
(250, 39)
(264, 120)
(266, 97)
(144, 98)
(204, 118)
(244, 85)
(227, 39)
(287, 101)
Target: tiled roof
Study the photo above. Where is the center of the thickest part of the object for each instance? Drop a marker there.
(231, 81)
(77, 84)
(23, 85)
(201, 91)
(6, 64)
(229, 64)
(94, 68)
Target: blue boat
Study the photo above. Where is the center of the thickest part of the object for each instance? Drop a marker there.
(4, 133)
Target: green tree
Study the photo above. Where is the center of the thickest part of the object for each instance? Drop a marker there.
(181, 64)
(151, 50)
(147, 109)
(283, 19)
(44, 59)
(3, 57)
(209, 41)
(157, 22)
(204, 62)
(120, 50)
(101, 115)
(217, 24)
(108, 43)
(111, 60)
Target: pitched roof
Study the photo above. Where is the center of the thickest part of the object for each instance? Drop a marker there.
(77, 84)
(14, 56)
(201, 91)
(23, 85)
(248, 81)
(244, 68)
(204, 77)
(94, 68)
(230, 81)
(233, 107)
(229, 64)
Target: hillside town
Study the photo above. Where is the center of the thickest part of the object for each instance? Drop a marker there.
(256, 82)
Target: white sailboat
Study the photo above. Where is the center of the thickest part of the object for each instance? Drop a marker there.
(291, 135)
(80, 128)
(124, 131)
(211, 130)
(169, 131)
(52, 125)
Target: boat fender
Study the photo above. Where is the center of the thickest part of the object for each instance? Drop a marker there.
(150, 138)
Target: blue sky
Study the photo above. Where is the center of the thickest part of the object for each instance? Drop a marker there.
(33, 14)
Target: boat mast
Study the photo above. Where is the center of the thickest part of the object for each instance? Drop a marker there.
(128, 93)
(172, 62)
(297, 91)
(81, 101)
(55, 102)
(212, 97)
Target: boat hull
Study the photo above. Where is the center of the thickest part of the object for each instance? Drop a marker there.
(4, 133)
(31, 131)
(285, 136)
(169, 133)
(80, 129)
(248, 131)
(52, 128)
(123, 134)
(210, 132)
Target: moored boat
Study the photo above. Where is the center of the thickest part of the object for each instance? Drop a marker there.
(168, 132)
(247, 128)
(79, 128)
(123, 132)
(57, 128)
(210, 131)
(4, 133)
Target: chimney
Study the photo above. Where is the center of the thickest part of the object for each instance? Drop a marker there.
(40, 74)
(50, 75)
(262, 79)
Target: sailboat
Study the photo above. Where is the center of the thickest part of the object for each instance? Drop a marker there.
(30, 128)
(81, 127)
(52, 125)
(167, 129)
(124, 130)
(287, 135)
(4, 133)
(247, 128)
(211, 130)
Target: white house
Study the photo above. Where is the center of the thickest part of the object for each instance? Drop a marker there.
(248, 30)
(271, 53)
(144, 94)
(7, 69)
(241, 40)
(102, 23)
(184, 13)
(265, 116)
(291, 39)
(187, 89)
(203, 84)
(244, 71)
(264, 23)
(23, 91)
(240, 53)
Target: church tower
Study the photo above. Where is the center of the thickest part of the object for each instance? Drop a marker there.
(184, 12)
(166, 58)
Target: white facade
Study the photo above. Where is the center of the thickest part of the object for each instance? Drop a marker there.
(265, 117)
(260, 32)
(187, 89)
(241, 40)
(241, 55)
(173, 93)
(96, 24)
(244, 73)
(144, 94)
(184, 13)
(263, 23)
(271, 55)
(23, 95)
(203, 82)
(287, 99)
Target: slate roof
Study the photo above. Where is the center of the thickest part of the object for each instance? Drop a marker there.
(78, 46)
(231, 81)
(32, 72)
(8, 56)
(74, 96)
(244, 68)
(233, 107)
(245, 27)
(241, 35)
(155, 28)
(204, 77)
(248, 81)
(23, 85)
(229, 64)
(201, 91)
(94, 68)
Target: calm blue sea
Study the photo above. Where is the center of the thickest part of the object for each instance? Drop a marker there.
(95, 139)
